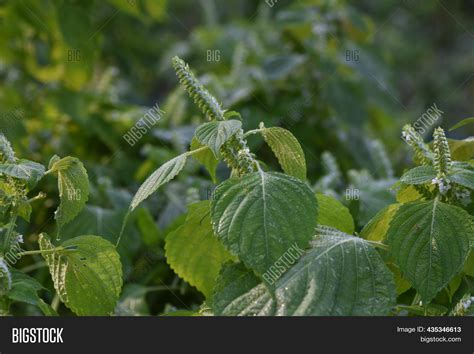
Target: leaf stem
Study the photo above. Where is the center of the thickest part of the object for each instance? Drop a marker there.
(192, 152)
(52, 250)
(40, 195)
(380, 245)
(252, 132)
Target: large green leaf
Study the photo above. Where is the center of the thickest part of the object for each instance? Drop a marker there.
(206, 157)
(239, 292)
(73, 185)
(27, 170)
(215, 134)
(193, 252)
(419, 175)
(430, 242)
(261, 216)
(288, 151)
(341, 275)
(87, 275)
(333, 213)
(162, 175)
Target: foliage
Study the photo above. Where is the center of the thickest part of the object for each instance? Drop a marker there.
(316, 89)
(266, 220)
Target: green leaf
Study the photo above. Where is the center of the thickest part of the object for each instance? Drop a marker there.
(333, 213)
(206, 157)
(408, 193)
(193, 252)
(6, 152)
(261, 216)
(162, 175)
(215, 134)
(87, 275)
(430, 243)
(25, 289)
(462, 123)
(340, 275)
(239, 292)
(288, 151)
(462, 174)
(462, 150)
(151, 235)
(419, 175)
(73, 185)
(376, 229)
(469, 265)
(26, 170)
(229, 114)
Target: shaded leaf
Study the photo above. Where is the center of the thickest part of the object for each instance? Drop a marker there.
(333, 213)
(193, 252)
(206, 157)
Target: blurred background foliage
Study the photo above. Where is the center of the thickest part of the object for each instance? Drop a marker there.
(343, 76)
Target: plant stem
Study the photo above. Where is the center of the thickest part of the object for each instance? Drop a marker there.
(55, 302)
(40, 195)
(7, 239)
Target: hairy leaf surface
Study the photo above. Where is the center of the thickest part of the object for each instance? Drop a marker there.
(288, 151)
(215, 134)
(259, 217)
(88, 276)
(462, 174)
(419, 175)
(162, 175)
(430, 242)
(239, 292)
(193, 252)
(27, 170)
(73, 185)
(340, 275)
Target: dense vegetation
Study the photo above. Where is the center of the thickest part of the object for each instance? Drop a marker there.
(156, 205)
